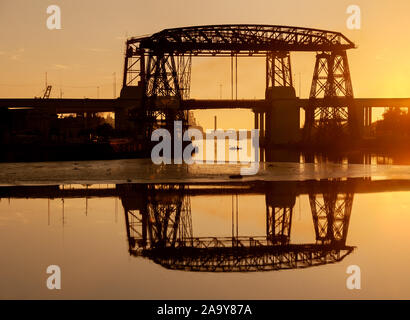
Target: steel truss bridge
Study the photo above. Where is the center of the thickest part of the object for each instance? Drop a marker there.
(160, 66)
(157, 77)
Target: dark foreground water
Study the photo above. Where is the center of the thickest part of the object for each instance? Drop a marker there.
(260, 240)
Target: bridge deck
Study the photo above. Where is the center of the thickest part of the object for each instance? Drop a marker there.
(294, 188)
(110, 105)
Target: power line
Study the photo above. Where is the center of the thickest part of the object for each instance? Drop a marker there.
(19, 85)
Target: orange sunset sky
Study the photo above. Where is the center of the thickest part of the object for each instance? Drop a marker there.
(81, 58)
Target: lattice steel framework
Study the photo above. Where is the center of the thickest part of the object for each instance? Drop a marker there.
(331, 81)
(162, 221)
(279, 211)
(244, 39)
(278, 69)
(164, 79)
(216, 40)
(331, 215)
(160, 64)
(168, 75)
(218, 257)
(278, 224)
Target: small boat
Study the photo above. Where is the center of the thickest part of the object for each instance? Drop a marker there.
(235, 148)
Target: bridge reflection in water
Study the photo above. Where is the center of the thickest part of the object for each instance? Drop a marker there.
(159, 227)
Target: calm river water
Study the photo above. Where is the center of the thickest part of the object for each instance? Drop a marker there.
(226, 241)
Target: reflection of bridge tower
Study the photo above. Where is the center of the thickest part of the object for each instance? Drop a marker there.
(156, 215)
(331, 214)
(332, 82)
(279, 210)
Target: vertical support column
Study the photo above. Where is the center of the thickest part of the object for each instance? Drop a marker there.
(262, 125)
(142, 73)
(370, 116)
(367, 119)
(256, 119)
(134, 66)
(128, 54)
(309, 122)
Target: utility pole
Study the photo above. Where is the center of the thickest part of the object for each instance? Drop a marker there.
(114, 84)
(215, 142)
(232, 77)
(236, 77)
(300, 84)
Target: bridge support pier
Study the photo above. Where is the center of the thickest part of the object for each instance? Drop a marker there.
(125, 116)
(283, 118)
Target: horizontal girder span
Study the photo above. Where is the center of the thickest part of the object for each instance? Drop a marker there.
(246, 258)
(241, 38)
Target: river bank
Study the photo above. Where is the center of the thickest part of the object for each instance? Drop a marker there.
(144, 171)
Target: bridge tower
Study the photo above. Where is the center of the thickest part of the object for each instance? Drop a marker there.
(331, 212)
(158, 81)
(331, 82)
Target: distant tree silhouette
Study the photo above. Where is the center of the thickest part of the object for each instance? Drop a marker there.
(395, 123)
(104, 130)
